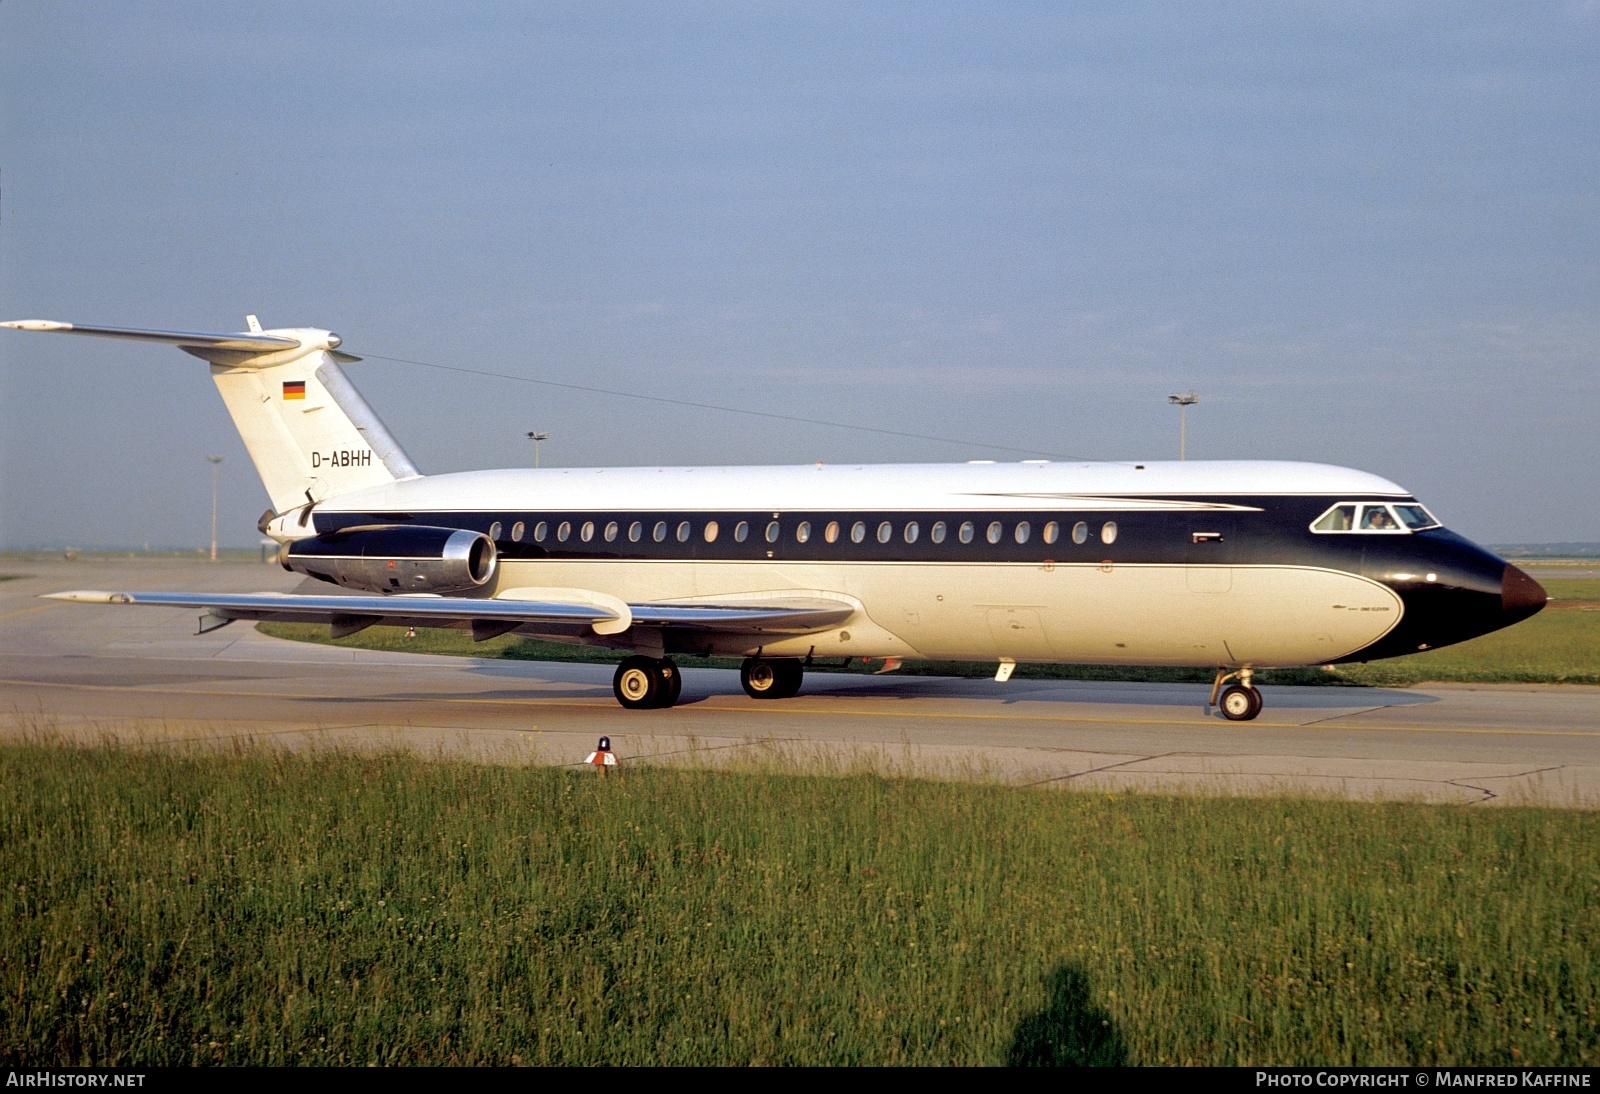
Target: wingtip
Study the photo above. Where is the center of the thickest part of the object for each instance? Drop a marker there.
(89, 596)
(34, 324)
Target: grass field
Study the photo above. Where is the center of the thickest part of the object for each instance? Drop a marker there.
(260, 906)
(1560, 645)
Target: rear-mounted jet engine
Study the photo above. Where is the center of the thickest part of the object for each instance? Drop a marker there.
(395, 558)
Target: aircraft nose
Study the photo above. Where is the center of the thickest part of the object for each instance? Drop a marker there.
(1520, 595)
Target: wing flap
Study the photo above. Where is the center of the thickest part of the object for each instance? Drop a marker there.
(788, 616)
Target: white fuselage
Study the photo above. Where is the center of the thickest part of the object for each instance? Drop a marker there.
(1123, 602)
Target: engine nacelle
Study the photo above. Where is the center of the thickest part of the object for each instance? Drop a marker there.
(395, 558)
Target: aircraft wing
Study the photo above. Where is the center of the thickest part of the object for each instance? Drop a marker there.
(487, 617)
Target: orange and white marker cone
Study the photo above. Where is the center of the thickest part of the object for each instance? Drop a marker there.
(602, 757)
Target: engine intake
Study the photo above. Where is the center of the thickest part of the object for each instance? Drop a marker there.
(395, 558)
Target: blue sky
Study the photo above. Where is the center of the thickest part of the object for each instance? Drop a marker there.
(1366, 234)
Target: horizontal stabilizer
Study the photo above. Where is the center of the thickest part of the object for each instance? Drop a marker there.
(248, 343)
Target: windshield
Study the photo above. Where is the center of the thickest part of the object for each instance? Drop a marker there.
(1374, 518)
(1415, 517)
(1377, 518)
(1341, 518)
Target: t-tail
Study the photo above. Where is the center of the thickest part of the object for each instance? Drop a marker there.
(309, 432)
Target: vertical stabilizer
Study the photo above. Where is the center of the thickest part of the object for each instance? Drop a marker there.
(309, 432)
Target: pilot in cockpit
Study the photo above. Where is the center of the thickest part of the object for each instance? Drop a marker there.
(1377, 520)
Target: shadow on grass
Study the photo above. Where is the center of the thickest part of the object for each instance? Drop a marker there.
(1070, 1031)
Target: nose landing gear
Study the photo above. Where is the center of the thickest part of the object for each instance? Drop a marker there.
(1239, 702)
(647, 683)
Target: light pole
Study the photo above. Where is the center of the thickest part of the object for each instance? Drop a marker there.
(216, 466)
(1183, 403)
(536, 438)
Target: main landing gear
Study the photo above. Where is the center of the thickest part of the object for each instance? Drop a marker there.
(652, 683)
(771, 677)
(1239, 702)
(647, 683)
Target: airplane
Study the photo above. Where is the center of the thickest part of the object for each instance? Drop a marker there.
(1233, 565)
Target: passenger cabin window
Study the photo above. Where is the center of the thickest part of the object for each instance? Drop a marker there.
(858, 531)
(1374, 518)
(711, 531)
(802, 531)
(588, 531)
(936, 533)
(540, 530)
(966, 532)
(564, 531)
(494, 531)
(635, 532)
(773, 531)
(913, 530)
(516, 532)
(1023, 531)
(741, 531)
(659, 532)
(611, 532)
(885, 532)
(1052, 532)
(831, 532)
(1080, 532)
(1108, 532)
(683, 531)
(994, 531)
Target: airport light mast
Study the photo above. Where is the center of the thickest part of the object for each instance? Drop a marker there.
(536, 438)
(1183, 403)
(216, 466)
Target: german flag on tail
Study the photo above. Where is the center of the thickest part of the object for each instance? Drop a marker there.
(294, 389)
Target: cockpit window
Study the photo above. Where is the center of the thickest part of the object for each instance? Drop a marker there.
(1415, 517)
(1341, 518)
(1373, 517)
(1377, 518)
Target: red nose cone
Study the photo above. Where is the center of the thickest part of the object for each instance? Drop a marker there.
(1521, 595)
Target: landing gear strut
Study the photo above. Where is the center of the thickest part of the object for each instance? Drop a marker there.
(647, 683)
(771, 677)
(1239, 702)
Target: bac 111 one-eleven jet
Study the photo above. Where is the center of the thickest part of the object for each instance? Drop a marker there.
(1236, 565)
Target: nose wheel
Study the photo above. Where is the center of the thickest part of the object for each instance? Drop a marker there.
(771, 677)
(1239, 702)
(647, 683)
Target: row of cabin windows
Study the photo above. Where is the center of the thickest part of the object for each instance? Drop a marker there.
(885, 532)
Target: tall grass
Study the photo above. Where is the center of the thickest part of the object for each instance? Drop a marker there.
(270, 907)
